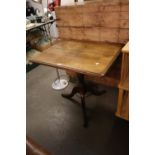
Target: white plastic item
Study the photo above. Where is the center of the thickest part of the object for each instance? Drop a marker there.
(59, 83)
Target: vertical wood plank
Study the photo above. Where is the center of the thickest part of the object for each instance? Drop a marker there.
(120, 99)
(126, 110)
(109, 18)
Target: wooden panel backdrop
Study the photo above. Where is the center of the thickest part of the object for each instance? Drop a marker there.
(95, 21)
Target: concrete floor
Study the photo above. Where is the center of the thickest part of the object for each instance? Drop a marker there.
(56, 123)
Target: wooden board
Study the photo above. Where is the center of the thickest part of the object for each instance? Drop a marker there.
(123, 104)
(123, 97)
(125, 84)
(89, 58)
(125, 49)
(109, 35)
(95, 21)
(111, 78)
(92, 34)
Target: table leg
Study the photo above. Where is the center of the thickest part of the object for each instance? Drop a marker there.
(46, 34)
(81, 89)
(85, 118)
(49, 32)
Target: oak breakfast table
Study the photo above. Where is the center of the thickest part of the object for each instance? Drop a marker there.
(82, 57)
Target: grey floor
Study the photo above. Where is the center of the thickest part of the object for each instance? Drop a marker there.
(56, 123)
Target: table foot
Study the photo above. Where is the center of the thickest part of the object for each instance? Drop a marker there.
(85, 118)
(82, 88)
(83, 106)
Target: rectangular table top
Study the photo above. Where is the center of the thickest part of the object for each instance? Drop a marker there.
(89, 58)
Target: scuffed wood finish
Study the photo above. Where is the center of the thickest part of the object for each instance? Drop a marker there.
(111, 78)
(123, 104)
(92, 34)
(109, 35)
(84, 57)
(123, 97)
(95, 21)
(124, 84)
(123, 35)
(125, 68)
(77, 33)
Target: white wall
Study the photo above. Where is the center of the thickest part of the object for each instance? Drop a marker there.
(69, 2)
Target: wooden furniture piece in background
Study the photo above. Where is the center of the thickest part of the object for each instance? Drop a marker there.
(123, 96)
(44, 27)
(84, 58)
(38, 38)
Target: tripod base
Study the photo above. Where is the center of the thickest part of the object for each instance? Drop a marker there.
(59, 84)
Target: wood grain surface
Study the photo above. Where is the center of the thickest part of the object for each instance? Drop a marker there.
(95, 21)
(125, 84)
(89, 58)
(123, 96)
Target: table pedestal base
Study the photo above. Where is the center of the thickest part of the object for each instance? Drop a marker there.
(82, 89)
